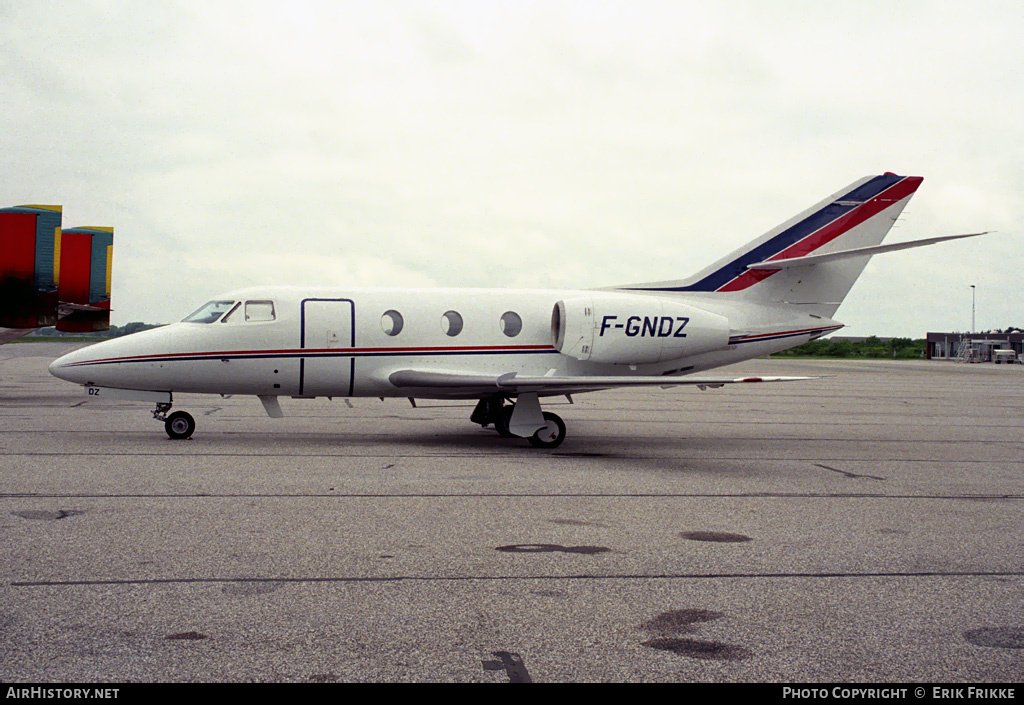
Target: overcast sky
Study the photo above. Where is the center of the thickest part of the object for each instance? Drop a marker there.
(484, 143)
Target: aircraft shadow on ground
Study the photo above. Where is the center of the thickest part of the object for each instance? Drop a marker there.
(672, 454)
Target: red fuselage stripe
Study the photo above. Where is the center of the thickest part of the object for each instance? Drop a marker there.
(300, 352)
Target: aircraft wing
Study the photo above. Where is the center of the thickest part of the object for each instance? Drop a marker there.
(458, 384)
(7, 335)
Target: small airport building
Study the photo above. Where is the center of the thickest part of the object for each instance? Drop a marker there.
(976, 347)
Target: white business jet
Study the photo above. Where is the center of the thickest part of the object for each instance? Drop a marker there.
(506, 348)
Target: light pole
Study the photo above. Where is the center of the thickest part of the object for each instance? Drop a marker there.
(972, 308)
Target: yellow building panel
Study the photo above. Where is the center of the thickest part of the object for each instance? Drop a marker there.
(56, 256)
(55, 209)
(110, 264)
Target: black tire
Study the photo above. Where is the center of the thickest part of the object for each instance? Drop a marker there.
(180, 425)
(544, 438)
(502, 420)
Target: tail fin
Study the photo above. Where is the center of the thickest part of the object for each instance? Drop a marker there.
(858, 216)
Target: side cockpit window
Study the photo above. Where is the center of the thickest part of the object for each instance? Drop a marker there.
(209, 312)
(259, 311)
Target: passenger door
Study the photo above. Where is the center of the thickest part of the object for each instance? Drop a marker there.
(328, 334)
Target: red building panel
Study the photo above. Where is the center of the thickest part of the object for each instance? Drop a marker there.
(75, 264)
(18, 245)
(17, 269)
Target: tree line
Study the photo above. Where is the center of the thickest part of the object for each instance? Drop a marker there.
(114, 332)
(870, 347)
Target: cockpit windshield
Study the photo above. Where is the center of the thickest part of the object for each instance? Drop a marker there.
(209, 312)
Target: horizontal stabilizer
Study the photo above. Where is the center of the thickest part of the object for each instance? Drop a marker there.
(65, 309)
(857, 252)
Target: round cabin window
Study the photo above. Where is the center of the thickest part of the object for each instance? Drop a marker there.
(451, 323)
(391, 322)
(511, 324)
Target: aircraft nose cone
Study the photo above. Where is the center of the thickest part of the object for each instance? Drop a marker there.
(63, 368)
(98, 364)
(77, 366)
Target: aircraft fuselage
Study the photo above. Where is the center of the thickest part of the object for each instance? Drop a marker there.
(334, 342)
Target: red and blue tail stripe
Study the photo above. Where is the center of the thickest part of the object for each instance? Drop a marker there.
(826, 224)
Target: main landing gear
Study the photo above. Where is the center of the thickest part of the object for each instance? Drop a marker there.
(523, 419)
(179, 425)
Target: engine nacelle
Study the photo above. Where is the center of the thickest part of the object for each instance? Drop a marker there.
(629, 329)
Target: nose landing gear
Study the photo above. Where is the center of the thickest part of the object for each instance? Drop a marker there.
(179, 425)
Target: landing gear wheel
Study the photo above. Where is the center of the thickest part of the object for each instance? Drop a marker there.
(550, 436)
(180, 425)
(502, 420)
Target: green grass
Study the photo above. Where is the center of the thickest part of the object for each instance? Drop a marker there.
(870, 348)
